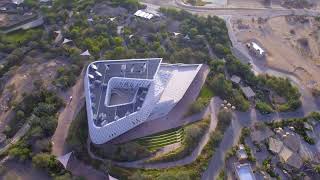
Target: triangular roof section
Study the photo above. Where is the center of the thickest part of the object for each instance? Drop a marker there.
(112, 178)
(64, 159)
(65, 40)
(85, 53)
(112, 19)
(176, 33)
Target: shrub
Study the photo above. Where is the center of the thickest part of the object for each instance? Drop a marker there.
(264, 108)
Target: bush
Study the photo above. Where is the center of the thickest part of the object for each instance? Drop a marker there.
(224, 118)
(264, 108)
(193, 134)
(21, 151)
(199, 105)
(47, 162)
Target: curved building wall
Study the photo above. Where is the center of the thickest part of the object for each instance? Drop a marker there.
(100, 135)
(165, 89)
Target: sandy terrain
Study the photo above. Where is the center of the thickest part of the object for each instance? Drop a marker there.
(21, 82)
(246, 3)
(292, 45)
(262, 3)
(3, 19)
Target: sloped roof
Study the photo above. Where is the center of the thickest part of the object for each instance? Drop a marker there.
(235, 79)
(295, 161)
(64, 159)
(259, 135)
(248, 92)
(285, 153)
(275, 145)
(65, 40)
(85, 53)
(292, 142)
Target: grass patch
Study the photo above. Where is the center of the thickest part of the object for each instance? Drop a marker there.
(22, 36)
(193, 134)
(206, 92)
(159, 140)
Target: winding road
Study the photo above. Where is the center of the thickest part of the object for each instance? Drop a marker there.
(242, 119)
(213, 106)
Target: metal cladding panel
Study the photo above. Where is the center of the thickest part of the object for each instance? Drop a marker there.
(156, 86)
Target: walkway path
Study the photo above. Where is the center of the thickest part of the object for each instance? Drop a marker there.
(78, 168)
(66, 117)
(214, 105)
(22, 131)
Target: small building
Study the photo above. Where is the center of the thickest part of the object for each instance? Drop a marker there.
(17, 1)
(275, 145)
(236, 79)
(292, 142)
(256, 49)
(248, 92)
(120, 30)
(244, 171)
(241, 153)
(290, 158)
(143, 14)
(261, 134)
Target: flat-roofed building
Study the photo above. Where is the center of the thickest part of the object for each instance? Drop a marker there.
(122, 94)
(244, 171)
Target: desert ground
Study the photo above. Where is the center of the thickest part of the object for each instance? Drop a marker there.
(262, 3)
(246, 3)
(292, 44)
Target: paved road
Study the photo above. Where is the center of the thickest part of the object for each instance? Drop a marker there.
(230, 139)
(214, 106)
(250, 12)
(78, 168)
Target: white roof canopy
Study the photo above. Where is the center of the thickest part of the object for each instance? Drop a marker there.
(112, 19)
(65, 40)
(85, 53)
(64, 159)
(257, 48)
(143, 14)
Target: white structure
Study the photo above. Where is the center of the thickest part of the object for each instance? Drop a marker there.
(17, 2)
(244, 171)
(85, 53)
(144, 14)
(112, 19)
(65, 40)
(121, 94)
(256, 49)
(65, 159)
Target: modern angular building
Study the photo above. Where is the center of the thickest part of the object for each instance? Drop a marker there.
(121, 94)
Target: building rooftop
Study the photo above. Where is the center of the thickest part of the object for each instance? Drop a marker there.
(124, 99)
(275, 145)
(235, 79)
(241, 153)
(121, 94)
(143, 14)
(244, 171)
(257, 48)
(248, 92)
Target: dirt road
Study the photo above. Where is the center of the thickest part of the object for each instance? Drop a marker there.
(67, 115)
